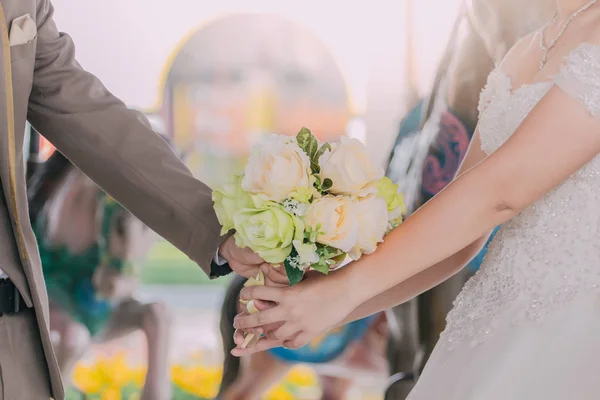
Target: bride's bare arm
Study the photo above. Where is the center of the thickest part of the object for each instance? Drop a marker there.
(419, 283)
(438, 273)
(557, 138)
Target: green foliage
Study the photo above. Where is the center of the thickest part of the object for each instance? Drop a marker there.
(294, 274)
(310, 145)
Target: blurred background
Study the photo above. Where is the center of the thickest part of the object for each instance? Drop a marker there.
(214, 76)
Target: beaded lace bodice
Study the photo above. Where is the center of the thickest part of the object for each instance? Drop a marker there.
(549, 254)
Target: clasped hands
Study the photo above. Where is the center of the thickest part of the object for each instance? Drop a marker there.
(288, 316)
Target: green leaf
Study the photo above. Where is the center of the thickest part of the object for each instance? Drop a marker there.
(327, 184)
(314, 162)
(313, 148)
(314, 167)
(322, 267)
(318, 182)
(294, 274)
(313, 236)
(322, 150)
(306, 141)
(309, 144)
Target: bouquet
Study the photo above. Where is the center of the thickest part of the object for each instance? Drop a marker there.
(308, 205)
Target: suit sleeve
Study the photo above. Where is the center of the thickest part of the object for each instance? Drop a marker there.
(116, 147)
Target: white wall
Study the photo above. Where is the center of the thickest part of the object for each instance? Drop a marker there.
(127, 43)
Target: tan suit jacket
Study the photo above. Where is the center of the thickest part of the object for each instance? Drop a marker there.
(41, 81)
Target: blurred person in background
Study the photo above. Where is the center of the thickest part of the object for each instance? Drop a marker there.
(41, 81)
(91, 249)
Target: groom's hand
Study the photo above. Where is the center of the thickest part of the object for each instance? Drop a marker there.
(244, 262)
(275, 276)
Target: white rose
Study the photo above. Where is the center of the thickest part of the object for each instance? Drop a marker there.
(307, 254)
(278, 169)
(334, 217)
(350, 168)
(372, 215)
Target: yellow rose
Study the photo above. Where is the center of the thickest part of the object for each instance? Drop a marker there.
(278, 169)
(350, 168)
(268, 231)
(334, 217)
(228, 200)
(372, 215)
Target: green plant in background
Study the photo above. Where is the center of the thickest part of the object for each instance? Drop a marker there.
(165, 265)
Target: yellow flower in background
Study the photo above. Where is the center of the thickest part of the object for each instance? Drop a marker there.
(279, 392)
(302, 376)
(107, 377)
(138, 377)
(112, 394)
(87, 379)
(197, 380)
(301, 383)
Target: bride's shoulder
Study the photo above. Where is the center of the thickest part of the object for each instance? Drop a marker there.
(589, 30)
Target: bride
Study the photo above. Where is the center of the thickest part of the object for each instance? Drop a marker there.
(527, 325)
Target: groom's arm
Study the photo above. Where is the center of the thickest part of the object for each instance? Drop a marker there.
(117, 149)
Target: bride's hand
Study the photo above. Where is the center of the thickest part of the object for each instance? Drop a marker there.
(301, 313)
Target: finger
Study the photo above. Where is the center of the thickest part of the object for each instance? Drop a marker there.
(262, 345)
(267, 293)
(243, 269)
(297, 342)
(257, 331)
(286, 332)
(238, 337)
(240, 315)
(251, 257)
(312, 274)
(268, 329)
(259, 319)
(275, 275)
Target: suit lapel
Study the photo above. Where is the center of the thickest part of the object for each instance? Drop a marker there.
(4, 139)
(7, 134)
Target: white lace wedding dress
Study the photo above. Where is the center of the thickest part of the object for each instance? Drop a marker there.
(527, 326)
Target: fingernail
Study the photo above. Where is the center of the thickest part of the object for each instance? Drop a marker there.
(264, 269)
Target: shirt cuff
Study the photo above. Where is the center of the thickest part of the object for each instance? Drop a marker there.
(220, 261)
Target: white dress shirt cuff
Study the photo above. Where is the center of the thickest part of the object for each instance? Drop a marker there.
(220, 261)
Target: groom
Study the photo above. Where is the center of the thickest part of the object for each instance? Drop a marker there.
(40, 81)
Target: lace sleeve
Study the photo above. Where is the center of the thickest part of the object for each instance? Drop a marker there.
(580, 77)
(487, 93)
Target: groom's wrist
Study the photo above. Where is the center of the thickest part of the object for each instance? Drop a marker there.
(218, 270)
